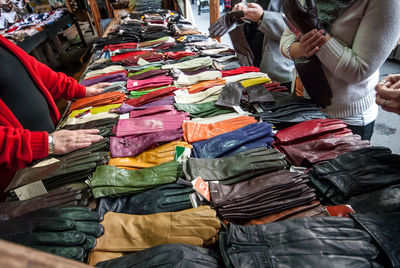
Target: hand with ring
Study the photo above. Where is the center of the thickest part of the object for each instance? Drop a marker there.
(388, 93)
(66, 141)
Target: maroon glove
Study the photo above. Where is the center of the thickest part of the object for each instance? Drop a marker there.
(308, 130)
(315, 151)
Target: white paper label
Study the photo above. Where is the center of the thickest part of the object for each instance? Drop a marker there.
(30, 190)
(142, 61)
(46, 162)
(124, 116)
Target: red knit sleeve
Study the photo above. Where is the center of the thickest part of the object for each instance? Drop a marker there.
(58, 84)
(19, 147)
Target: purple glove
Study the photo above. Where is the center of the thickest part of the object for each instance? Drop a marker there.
(105, 78)
(133, 145)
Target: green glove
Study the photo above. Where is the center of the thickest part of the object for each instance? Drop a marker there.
(235, 168)
(110, 180)
(70, 232)
(206, 109)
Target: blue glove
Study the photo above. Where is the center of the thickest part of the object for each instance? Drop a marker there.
(248, 137)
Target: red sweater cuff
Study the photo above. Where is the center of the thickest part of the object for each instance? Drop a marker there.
(79, 91)
(39, 144)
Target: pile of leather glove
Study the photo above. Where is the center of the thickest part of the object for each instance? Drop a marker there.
(146, 128)
(126, 233)
(113, 181)
(70, 232)
(308, 242)
(266, 194)
(236, 168)
(173, 255)
(287, 110)
(256, 135)
(368, 179)
(316, 141)
(73, 167)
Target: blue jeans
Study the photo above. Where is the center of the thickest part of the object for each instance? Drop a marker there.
(364, 131)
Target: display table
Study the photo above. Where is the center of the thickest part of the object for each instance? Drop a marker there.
(50, 32)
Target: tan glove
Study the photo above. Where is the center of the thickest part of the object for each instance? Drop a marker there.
(149, 158)
(128, 233)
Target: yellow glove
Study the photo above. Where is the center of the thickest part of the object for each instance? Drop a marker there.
(149, 158)
(255, 81)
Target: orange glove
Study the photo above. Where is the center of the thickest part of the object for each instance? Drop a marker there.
(196, 132)
(204, 85)
(98, 100)
(149, 158)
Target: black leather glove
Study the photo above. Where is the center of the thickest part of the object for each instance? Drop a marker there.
(385, 229)
(258, 93)
(56, 198)
(230, 95)
(166, 198)
(313, 78)
(222, 25)
(168, 255)
(243, 51)
(304, 18)
(303, 242)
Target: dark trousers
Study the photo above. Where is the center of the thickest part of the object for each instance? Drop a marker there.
(364, 131)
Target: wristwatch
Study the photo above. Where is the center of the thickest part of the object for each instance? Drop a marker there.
(51, 144)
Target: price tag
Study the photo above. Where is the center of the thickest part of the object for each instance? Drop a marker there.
(124, 116)
(30, 190)
(142, 61)
(201, 187)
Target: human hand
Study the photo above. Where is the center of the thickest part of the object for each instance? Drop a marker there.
(253, 12)
(96, 89)
(310, 43)
(388, 93)
(66, 141)
(239, 6)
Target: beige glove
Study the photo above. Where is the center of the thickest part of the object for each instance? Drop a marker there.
(128, 233)
(207, 95)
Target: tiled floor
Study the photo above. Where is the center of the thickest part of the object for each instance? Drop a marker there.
(387, 125)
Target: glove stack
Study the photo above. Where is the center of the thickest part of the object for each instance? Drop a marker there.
(126, 233)
(308, 242)
(165, 198)
(146, 128)
(236, 168)
(256, 135)
(262, 195)
(70, 232)
(284, 110)
(351, 178)
(176, 255)
(316, 141)
(76, 166)
(103, 182)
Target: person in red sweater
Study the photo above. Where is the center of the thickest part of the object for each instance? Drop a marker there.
(29, 115)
